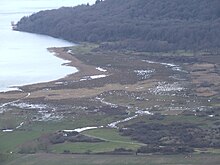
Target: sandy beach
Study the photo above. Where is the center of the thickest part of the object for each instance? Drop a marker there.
(83, 69)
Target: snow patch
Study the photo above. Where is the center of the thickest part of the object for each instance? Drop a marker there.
(7, 130)
(144, 112)
(144, 73)
(166, 87)
(29, 106)
(101, 69)
(93, 77)
(98, 76)
(173, 66)
(81, 129)
(20, 125)
(106, 103)
(114, 124)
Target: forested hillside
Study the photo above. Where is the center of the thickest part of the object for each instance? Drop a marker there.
(144, 25)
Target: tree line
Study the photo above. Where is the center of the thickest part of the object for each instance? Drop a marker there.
(149, 25)
(174, 137)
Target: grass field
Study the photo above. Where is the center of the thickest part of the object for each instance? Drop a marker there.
(13, 140)
(91, 147)
(111, 141)
(57, 159)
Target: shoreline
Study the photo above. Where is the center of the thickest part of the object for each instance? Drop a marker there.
(83, 70)
(78, 84)
(54, 51)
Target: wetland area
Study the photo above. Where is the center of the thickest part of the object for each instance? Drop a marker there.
(118, 103)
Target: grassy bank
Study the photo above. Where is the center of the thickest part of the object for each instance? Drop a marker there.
(51, 159)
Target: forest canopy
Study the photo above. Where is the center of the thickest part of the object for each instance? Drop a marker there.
(143, 25)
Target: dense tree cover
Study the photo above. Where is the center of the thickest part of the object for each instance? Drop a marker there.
(146, 25)
(174, 137)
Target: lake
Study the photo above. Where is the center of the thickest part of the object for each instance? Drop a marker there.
(24, 58)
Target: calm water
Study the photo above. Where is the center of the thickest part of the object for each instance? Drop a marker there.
(24, 58)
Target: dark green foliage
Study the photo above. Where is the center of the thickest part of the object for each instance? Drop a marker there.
(29, 148)
(61, 137)
(122, 150)
(173, 135)
(83, 138)
(57, 138)
(144, 25)
(165, 149)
